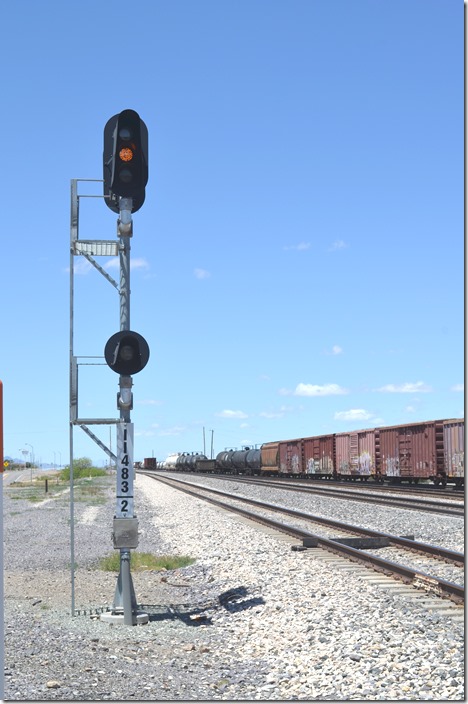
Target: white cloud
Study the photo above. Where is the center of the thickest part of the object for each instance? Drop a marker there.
(338, 244)
(201, 274)
(458, 387)
(336, 349)
(407, 388)
(285, 392)
(354, 414)
(232, 414)
(315, 390)
(81, 267)
(302, 246)
(266, 414)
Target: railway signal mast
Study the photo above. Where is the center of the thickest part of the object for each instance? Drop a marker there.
(125, 170)
(125, 175)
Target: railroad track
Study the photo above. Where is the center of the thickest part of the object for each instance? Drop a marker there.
(337, 544)
(413, 503)
(449, 492)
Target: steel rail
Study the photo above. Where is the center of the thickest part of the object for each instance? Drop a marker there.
(428, 496)
(425, 548)
(452, 493)
(410, 575)
(415, 504)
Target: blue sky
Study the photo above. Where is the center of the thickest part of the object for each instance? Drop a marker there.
(297, 267)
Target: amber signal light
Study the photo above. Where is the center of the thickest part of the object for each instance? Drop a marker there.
(126, 154)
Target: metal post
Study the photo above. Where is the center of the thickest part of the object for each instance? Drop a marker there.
(72, 525)
(124, 226)
(74, 217)
(124, 599)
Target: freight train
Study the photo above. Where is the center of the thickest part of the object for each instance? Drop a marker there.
(430, 450)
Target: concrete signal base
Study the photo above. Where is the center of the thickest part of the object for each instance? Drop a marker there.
(139, 619)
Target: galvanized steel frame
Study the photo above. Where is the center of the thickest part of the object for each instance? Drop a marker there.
(89, 249)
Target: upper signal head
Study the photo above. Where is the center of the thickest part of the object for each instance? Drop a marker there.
(125, 159)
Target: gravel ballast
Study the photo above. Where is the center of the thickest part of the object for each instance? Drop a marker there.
(250, 619)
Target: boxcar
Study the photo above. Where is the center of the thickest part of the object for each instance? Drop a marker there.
(319, 456)
(454, 450)
(410, 452)
(355, 454)
(291, 457)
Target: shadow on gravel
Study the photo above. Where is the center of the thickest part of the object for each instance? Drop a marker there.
(232, 600)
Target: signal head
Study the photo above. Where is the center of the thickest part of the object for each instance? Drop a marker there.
(126, 352)
(125, 159)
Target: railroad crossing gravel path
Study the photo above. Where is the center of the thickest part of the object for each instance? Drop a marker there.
(250, 620)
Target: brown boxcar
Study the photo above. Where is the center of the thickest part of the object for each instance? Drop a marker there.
(454, 450)
(291, 457)
(319, 455)
(413, 451)
(355, 453)
(149, 463)
(269, 458)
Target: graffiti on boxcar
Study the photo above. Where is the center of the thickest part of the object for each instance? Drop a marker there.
(392, 466)
(360, 466)
(458, 464)
(365, 464)
(344, 467)
(321, 466)
(295, 464)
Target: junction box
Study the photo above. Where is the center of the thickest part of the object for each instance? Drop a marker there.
(125, 533)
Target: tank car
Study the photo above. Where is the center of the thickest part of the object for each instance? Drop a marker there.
(245, 461)
(224, 461)
(187, 461)
(170, 461)
(253, 461)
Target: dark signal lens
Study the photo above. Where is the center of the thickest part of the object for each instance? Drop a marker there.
(125, 134)
(125, 175)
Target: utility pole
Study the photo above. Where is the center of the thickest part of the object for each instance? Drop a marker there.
(212, 434)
